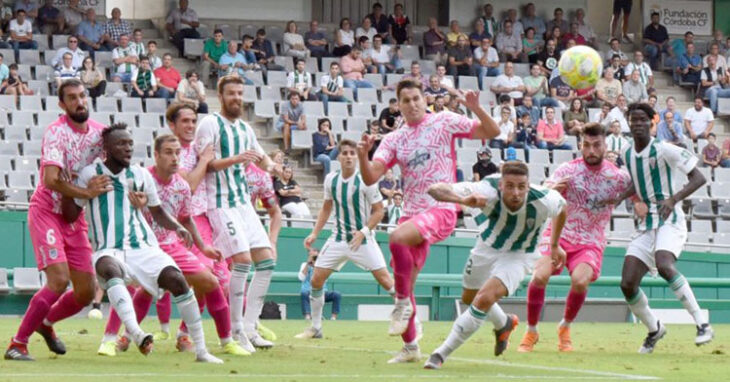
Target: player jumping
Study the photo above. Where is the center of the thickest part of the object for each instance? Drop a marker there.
(358, 210)
(586, 183)
(424, 149)
(512, 217)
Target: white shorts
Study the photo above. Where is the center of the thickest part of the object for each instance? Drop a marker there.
(229, 231)
(255, 233)
(645, 244)
(508, 267)
(335, 254)
(142, 266)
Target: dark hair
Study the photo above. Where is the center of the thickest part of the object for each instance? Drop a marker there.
(529, 29)
(217, 30)
(162, 139)
(143, 58)
(343, 21)
(711, 135)
(346, 142)
(612, 40)
(19, 11)
(515, 168)
(549, 108)
(137, 30)
(615, 56)
(15, 66)
(167, 54)
(247, 37)
(557, 9)
(173, 111)
(152, 42)
(698, 97)
(321, 121)
(362, 39)
(641, 106)
(408, 84)
(70, 83)
(292, 94)
(112, 128)
(377, 5)
(377, 36)
(655, 14)
(670, 97)
(504, 98)
(392, 100)
(582, 105)
(333, 63)
(298, 60)
(261, 32)
(190, 73)
(688, 33)
(593, 129)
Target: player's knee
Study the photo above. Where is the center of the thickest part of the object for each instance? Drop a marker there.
(107, 269)
(629, 287)
(398, 237)
(172, 280)
(579, 283)
(541, 279)
(666, 271)
(208, 283)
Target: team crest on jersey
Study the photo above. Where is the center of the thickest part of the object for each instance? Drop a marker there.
(418, 158)
(53, 253)
(530, 223)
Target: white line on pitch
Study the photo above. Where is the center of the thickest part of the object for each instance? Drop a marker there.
(308, 376)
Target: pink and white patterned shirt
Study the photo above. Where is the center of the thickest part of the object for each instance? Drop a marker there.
(425, 153)
(69, 149)
(188, 162)
(586, 222)
(260, 186)
(176, 200)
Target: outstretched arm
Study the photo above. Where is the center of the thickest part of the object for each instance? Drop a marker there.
(444, 192)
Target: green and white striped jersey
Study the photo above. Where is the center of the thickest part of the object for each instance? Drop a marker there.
(617, 143)
(503, 230)
(114, 222)
(352, 201)
(655, 171)
(394, 213)
(226, 188)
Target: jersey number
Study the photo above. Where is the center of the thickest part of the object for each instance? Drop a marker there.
(469, 264)
(50, 237)
(231, 229)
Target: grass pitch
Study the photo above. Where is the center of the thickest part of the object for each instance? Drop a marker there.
(358, 351)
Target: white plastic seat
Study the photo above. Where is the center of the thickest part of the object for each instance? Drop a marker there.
(16, 132)
(277, 78)
(313, 108)
(131, 105)
(20, 180)
(128, 118)
(155, 105)
(106, 104)
(271, 93)
(4, 286)
(29, 57)
(301, 139)
(264, 109)
(31, 103)
(26, 280)
(338, 109)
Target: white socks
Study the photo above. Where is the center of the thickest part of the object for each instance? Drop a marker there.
(236, 290)
(564, 323)
(316, 300)
(684, 294)
(639, 305)
(190, 313)
(497, 316)
(465, 325)
(121, 300)
(256, 293)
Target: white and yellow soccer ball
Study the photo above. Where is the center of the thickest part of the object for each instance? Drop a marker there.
(580, 67)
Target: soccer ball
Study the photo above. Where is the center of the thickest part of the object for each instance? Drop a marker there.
(580, 67)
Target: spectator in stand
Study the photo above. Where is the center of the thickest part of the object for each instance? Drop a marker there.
(550, 134)
(364, 44)
(332, 87)
(479, 34)
(353, 70)
(487, 61)
(49, 19)
(445, 81)
(618, 69)
(656, 40)
(434, 42)
(213, 49)
(618, 6)
(725, 162)
(509, 44)
(294, 42)
(529, 107)
(561, 93)
(714, 52)
(389, 117)
(615, 141)
(92, 34)
(21, 33)
(525, 133)
(509, 83)
(72, 47)
(305, 276)
(618, 113)
(602, 117)
(248, 53)
(415, 75)
(506, 130)
(144, 83)
(168, 78)
(656, 119)
(454, 106)
(233, 62)
(66, 70)
(400, 26)
(125, 60)
(461, 59)
(191, 91)
(536, 86)
(634, 90)
(615, 49)
(373, 130)
(137, 43)
(4, 70)
(690, 65)
(6, 14)
(264, 52)
(505, 102)
(380, 21)
(72, 17)
(116, 28)
(385, 58)
(717, 37)
(434, 90)
(452, 38)
(344, 39)
(646, 76)
(575, 117)
(490, 23)
(365, 29)
(608, 88)
(29, 7)
(389, 186)
(395, 209)
(670, 130)
(698, 120)
(484, 166)
(531, 46)
(324, 144)
(439, 104)
(711, 154)
(291, 117)
(584, 29)
(712, 80)
(290, 195)
(181, 24)
(548, 58)
(155, 60)
(315, 41)
(557, 21)
(531, 20)
(573, 34)
(300, 81)
(93, 78)
(517, 28)
(671, 106)
(14, 85)
(678, 48)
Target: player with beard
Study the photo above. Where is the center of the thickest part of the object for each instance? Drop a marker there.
(586, 184)
(61, 248)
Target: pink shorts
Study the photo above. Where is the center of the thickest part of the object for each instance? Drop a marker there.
(434, 225)
(56, 241)
(185, 259)
(219, 268)
(576, 254)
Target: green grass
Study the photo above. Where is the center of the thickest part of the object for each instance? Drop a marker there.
(358, 351)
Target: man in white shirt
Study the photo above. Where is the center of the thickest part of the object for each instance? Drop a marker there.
(72, 47)
(125, 60)
(645, 74)
(584, 29)
(21, 33)
(698, 120)
(713, 78)
(509, 83)
(486, 60)
(446, 82)
(300, 81)
(181, 24)
(332, 86)
(719, 58)
(66, 71)
(615, 48)
(618, 113)
(383, 57)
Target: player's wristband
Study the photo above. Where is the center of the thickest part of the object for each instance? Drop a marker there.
(365, 231)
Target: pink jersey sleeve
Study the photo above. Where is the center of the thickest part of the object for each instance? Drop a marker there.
(386, 152)
(460, 126)
(53, 146)
(186, 203)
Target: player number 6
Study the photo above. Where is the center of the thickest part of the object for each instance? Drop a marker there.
(50, 237)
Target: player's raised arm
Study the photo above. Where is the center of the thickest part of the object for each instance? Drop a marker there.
(445, 192)
(371, 171)
(488, 128)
